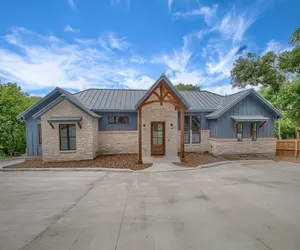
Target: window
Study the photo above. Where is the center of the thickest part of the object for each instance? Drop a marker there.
(253, 131)
(40, 133)
(118, 119)
(67, 136)
(186, 130)
(196, 129)
(239, 131)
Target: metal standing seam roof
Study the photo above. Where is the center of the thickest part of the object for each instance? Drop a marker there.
(126, 99)
(65, 119)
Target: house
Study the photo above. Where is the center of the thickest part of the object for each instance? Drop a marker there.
(158, 121)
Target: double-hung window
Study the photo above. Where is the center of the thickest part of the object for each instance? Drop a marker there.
(196, 129)
(67, 137)
(192, 129)
(186, 130)
(253, 131)
(239, 131)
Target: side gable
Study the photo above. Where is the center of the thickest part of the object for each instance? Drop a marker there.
(166, 82)
(232, 100)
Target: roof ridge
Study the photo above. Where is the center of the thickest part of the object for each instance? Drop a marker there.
(109, 89)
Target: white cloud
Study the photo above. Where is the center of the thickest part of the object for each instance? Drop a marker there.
(71, 3)
(178, 60)
(224, 63)
(136, 59)
(39, 61)
(68, 28)
(208, 13)
(226, 89)
(111, 41)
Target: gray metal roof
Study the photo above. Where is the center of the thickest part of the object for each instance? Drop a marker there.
(110, 99)
(126, 99)
(249, 118)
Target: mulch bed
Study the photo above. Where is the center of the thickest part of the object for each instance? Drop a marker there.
(196, 159)
(103, 161)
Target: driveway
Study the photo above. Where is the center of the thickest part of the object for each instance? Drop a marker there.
(233, 206)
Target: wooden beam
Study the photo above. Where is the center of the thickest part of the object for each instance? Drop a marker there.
(161, 94)
(296, 148)
(263, 124)
(234, 124)
(79, 125)
(140, 161)
(51, 125)
(182, 135)
(155, 93)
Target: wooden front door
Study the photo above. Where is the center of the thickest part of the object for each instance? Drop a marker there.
(157, 138)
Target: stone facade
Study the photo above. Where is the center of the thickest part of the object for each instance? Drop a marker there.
(118, 142)
(196, 147)
(165, 113)
(86, 137)
(247, 146)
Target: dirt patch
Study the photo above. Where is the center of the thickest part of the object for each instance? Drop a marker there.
(103, 161)
(248, 157)
(196, 159)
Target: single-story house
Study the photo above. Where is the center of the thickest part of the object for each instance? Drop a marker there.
(160, 121)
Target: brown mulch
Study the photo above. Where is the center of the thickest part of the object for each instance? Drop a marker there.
(104, 161)
(196, 159)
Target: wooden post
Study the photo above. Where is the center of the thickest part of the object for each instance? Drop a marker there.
(296, 148)
(140, 161)
(182, 135)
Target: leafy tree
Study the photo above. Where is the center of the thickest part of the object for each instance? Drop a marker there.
(12, 132)
(189, 87)
(271, 71)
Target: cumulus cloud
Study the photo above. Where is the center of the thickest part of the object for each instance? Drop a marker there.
(39, 61)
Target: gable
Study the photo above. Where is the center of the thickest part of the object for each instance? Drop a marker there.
(163, 91)
(235, 99)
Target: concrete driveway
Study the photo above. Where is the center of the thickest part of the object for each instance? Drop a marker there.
(234, 206)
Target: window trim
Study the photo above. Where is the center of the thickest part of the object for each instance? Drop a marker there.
(252, 137)
(68, 137)
(242, 130)
(116, 119)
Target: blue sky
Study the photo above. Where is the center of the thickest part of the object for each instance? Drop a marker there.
(77, 44)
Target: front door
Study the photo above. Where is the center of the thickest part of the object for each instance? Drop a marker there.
(157, 138)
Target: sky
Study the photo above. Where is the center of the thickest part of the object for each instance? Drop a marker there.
(80, 44)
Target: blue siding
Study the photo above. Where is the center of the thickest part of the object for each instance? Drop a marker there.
(248, 106)
(213, 128)
(32, 138)
(105, 126)
(204, 123)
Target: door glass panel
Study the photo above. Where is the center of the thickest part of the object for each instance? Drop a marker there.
(155, 133)
(159, 134)
(159, 126)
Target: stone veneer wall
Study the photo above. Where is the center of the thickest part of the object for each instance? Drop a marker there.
(86, 147)
(117, 142)
(199, 147)
(156, 112)
(247, 146)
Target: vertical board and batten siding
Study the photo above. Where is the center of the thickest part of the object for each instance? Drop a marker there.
(213, 128)
(222, 127)
(105, 126)
(32, 138)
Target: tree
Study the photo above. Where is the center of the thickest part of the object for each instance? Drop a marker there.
(189, 87)
(271, 71)
(12, 132)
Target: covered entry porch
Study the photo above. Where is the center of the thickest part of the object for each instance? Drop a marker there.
(158, 123)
